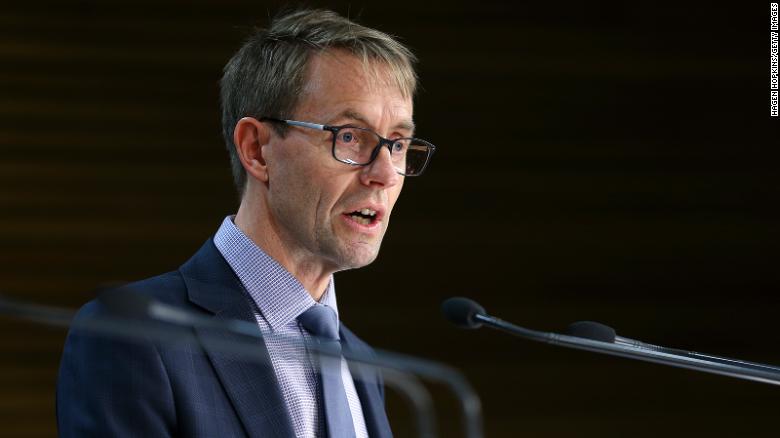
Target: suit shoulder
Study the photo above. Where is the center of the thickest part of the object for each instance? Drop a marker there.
(167, 288)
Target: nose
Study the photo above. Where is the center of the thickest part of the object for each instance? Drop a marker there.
(381, 171)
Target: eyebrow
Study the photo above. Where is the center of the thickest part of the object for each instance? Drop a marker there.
(407, 125)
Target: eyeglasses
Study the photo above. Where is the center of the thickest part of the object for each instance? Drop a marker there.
(360, 147)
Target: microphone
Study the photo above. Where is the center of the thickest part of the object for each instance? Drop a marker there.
(592, 330)
(462, 312)
(599, 338)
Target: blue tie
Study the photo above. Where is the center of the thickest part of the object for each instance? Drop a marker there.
(322, 322)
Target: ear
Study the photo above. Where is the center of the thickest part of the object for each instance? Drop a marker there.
(249, 137)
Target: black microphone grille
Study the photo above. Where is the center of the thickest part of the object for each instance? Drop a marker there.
(461, 311)
(591, 330)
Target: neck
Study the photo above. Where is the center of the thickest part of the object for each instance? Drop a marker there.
(256, 224)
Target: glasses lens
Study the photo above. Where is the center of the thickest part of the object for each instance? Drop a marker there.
(355, 145)
(417, 155)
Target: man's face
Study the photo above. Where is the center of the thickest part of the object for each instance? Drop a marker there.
(312, 197)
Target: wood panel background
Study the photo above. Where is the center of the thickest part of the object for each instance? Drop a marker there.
(612, 161)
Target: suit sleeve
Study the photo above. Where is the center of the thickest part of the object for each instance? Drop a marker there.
(112, 387)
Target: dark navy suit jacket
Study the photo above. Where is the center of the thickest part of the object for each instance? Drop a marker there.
(109, 387)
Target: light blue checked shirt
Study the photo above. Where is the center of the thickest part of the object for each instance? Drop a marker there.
(279, 299)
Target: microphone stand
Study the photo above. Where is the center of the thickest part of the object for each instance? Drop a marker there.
(697, 362)
(400, 366)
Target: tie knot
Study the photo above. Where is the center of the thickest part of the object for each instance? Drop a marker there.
(321, 321)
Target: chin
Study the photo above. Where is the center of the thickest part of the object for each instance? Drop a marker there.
(357, 257)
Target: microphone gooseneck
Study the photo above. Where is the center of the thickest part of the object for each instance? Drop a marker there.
(600, 338)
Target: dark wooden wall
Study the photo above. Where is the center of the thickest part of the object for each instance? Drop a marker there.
(613, 162)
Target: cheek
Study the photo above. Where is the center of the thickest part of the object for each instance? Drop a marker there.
(394, 193)
(289, 168)
(277, 164)
(330, 191)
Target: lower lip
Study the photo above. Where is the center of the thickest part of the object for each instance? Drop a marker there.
(373, 227)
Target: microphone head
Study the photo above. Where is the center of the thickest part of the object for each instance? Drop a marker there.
(126, 303)
(461, 311)
(591, 330)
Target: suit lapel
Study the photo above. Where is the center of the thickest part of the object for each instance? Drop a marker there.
(367, 384)
(250, 384)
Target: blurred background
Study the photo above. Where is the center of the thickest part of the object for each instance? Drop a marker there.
(596, 161)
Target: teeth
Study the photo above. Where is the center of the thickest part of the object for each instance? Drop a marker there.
(368, 212)
(362, 220)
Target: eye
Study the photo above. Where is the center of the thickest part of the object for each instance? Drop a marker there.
(399, 146)
(346, 137)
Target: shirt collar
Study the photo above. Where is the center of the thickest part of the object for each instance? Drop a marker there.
(279, 296)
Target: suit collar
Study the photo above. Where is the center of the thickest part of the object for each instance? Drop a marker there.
(251, 385)
(210, 282)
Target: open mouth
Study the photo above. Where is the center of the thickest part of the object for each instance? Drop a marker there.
(365, 216)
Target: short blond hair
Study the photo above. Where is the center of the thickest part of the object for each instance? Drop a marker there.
(266, 76)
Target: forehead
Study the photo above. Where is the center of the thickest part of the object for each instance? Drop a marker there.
(336, 81)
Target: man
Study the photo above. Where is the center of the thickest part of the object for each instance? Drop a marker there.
(317, 118)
